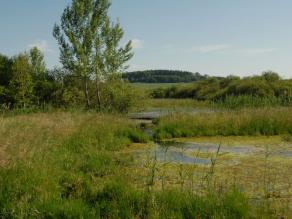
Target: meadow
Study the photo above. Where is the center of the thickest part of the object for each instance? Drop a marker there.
(68, 165)
(82, 164)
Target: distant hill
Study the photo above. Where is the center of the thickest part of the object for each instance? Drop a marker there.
(162, 76)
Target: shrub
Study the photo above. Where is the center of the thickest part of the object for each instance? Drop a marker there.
(118, 96)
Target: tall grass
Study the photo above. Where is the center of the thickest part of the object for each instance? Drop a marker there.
(58, 161)
(262, 121)
(248, 101)
(228, 103)
(120, 201)
(66, 165)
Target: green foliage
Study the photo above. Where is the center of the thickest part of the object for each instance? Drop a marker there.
(60, 176)
(118, 200)
(89, 44)
(68, 92)
(25, 84)
(69, 165)
(135, 135)
(37, 64)
(271, 76)
(21, 84)
(118, 96)
(178, 204)
(162, 76)
(263, 121)
(242, 101)
(265, 90)
(5, 70)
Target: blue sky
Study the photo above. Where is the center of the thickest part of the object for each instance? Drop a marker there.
(217, 37)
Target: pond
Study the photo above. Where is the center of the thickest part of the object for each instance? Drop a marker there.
(160, 112)
(191, 152)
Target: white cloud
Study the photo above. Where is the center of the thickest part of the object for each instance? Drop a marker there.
(41, 45)
(211, 48)
(259, 51)
(137, 44)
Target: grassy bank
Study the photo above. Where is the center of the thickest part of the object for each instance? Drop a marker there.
(67, 165)
(261, 121)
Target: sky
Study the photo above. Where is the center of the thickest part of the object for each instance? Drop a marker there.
(215, 37)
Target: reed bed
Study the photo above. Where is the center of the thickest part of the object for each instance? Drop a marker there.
(254, 122)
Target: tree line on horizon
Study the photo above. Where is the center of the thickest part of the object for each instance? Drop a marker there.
(162, 76)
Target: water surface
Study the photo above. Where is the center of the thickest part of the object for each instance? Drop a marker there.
(201, 153)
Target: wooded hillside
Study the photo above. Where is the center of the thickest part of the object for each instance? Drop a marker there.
(162, 76)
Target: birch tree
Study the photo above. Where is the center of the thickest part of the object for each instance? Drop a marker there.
(89, 42)
(109, 57)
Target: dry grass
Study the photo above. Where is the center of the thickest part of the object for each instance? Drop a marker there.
(24, 135)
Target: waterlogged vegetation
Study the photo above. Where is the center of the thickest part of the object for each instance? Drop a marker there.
(259, 121)
(247, 148)
(259, 166)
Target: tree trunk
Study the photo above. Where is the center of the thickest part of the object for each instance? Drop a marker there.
(98, 98)
(86, 92)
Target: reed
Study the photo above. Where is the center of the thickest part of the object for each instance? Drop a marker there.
(254, 122)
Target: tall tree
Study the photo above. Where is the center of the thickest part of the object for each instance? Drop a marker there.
(37, 63)
(5, 76)
(42, 87)
(88, 41)
(109, 57)
(79, 25)
(5, 70)
(21, 84)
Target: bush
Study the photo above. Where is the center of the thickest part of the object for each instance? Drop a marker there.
(118, 96)
(266, 90)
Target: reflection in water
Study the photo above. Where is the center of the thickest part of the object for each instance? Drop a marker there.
(171, 151)
(189, 152)
(213, 148)
(157, 113)
(171, 154)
